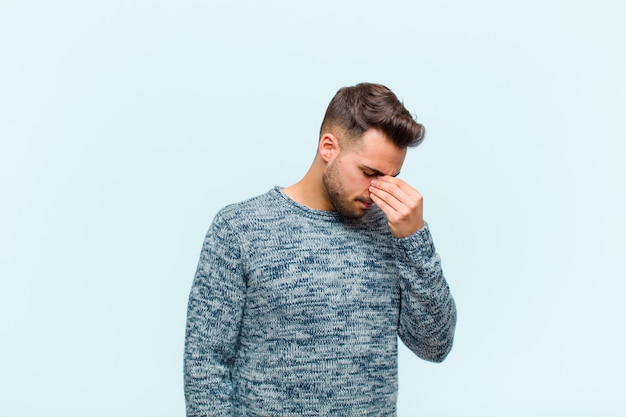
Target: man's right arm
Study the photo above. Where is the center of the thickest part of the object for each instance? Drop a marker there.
(214, 316)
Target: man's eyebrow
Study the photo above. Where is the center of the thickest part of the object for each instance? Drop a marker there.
(377, 172)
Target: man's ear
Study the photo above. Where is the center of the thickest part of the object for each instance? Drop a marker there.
(328, 147)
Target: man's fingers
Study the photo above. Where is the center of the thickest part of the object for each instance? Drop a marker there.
(395, 192)
(382, 204)
(390, 200)
(401, 203)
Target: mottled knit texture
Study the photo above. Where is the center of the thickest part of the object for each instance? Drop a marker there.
(297, 312)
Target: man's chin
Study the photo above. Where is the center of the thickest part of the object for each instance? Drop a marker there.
(356, 211)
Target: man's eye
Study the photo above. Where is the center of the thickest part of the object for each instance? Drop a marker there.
(369, 174)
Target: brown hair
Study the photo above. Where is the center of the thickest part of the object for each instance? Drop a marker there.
(366, 105)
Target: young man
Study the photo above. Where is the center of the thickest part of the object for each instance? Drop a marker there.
(301, 293)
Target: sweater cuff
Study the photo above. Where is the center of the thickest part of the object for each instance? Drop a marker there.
(419, 244)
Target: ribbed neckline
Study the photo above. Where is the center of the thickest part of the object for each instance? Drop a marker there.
(313, 213)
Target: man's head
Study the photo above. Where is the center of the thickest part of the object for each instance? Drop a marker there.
(348, 172)
(365, 133)
(354, 110)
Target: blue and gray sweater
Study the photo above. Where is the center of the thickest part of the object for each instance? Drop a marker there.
(297, 312)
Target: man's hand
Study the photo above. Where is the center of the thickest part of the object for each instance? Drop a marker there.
(401, 203)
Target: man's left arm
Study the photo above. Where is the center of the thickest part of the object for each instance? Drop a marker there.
(427, 310)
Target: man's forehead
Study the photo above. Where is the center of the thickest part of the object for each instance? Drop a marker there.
(383, 163)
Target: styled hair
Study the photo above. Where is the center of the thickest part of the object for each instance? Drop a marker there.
(365, 106)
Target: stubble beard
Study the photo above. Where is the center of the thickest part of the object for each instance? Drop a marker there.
(336, 195)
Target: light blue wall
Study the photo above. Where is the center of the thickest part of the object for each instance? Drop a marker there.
(125, 125)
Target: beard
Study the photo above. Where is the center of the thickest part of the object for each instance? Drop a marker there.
(336, 194)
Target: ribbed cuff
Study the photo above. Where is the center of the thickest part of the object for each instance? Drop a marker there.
(419, 244)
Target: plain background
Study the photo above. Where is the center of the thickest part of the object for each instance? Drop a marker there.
(126, 125)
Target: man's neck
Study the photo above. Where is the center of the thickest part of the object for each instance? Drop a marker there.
(310, 191)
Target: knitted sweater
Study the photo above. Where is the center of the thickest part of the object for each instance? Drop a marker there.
(296, 312)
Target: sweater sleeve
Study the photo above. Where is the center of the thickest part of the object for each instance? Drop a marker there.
(214, 316)
(427, 309)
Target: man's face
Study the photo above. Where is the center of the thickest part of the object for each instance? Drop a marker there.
(348, 176)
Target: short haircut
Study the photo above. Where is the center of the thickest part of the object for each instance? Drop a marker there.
(364, 106)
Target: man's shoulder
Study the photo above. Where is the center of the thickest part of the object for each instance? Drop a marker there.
(253, 207)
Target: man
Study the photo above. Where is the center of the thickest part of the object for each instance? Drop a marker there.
(301, 293)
